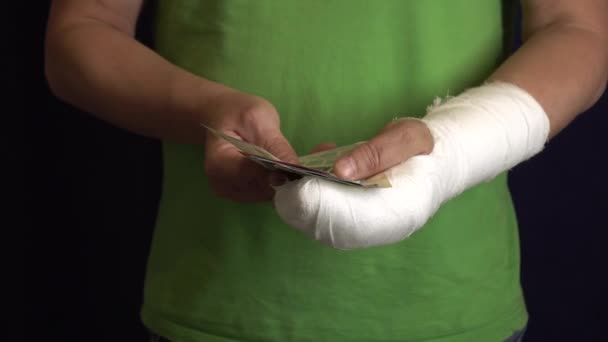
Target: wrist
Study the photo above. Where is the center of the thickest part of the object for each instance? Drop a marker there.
(190, 96)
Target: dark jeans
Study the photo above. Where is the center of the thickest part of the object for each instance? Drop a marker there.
(518, 336)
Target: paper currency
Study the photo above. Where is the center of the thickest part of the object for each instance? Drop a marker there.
(243, 146)
(325, 160)
(318, 164)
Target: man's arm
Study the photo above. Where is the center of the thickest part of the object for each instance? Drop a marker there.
(559, 72)
(94, 63)
(563, 64)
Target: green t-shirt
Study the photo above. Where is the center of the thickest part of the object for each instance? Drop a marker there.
(336, 70)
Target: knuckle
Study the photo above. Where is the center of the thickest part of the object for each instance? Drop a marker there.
(254, 112)
(413, 136)
(428, 142)
(251, 115)
(406, 135)
(370, 156)
(273, 142)
(417, 135)
(275, 145)
(392, 124)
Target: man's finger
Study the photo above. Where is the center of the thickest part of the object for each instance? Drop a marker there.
(395, 144)
(223, 161)
(280, 148)
(234, 177)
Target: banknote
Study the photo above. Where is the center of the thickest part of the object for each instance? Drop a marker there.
(318, 164)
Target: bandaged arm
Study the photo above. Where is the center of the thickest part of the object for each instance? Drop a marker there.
(560, 71)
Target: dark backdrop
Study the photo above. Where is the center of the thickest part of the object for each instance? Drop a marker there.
(93, 189)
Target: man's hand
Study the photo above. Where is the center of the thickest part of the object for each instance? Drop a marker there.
(397, 142)
(255, 121)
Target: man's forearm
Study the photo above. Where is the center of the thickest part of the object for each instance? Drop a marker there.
(564, 67)
(106, 72)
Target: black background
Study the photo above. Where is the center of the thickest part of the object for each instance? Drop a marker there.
(92, 192)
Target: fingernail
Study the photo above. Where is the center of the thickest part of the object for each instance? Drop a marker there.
(346, 168)
(277, 179)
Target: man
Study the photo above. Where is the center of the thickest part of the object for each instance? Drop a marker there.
(286, 75)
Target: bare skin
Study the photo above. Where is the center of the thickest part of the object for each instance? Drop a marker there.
(563, 64)
(94, 63)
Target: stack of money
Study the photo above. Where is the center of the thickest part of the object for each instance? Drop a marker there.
(318, 164)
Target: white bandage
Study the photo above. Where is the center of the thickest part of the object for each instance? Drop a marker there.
(478, 134)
